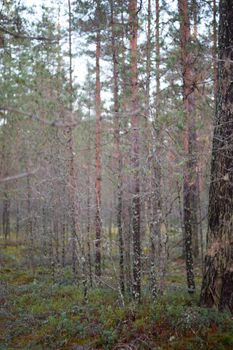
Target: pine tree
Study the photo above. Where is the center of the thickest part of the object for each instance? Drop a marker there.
(217, 285)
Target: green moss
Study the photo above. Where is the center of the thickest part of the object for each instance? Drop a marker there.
(224, 339)
(48, 315)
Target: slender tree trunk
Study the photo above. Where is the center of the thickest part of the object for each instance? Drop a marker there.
(17, 225)
(135, 121)
(125, 158)
(157, 171)
(89, 246)
(158, 58)
(181, 219)
(117, 149)
(63, 239)
(148, 59)
(196, 225)
(89, 225)
(30, 234)
(56, 236)
(97, 162)
(153, 222)
(45, 231)
(6, 214)
(195, 12)
(217, 285)
(189, 111)
(194, 185)
(72, 186)
(214, 50)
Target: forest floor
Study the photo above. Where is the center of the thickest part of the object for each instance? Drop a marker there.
(40, 311)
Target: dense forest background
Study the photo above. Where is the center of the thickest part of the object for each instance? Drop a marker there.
(107, 112)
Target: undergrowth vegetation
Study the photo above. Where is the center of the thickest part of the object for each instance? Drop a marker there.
(41, 311)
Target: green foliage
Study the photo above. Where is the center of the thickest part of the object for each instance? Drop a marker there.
(43, 313)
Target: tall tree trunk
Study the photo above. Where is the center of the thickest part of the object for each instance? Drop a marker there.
(149, 151)
(72, 186)
(148, 59)
(125, 156)
(117, 148)
(98, 224)
(214, 50)
(157, 171)
(135, 121)
(89, 222)
(189, 114)
(217, 285)
(158, 58)
(89, 246)
(196, 222)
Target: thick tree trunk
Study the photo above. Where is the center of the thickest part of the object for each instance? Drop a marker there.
(217, 286)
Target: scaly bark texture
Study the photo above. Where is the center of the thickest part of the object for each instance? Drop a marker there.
(217, 286)
(133, 22)
(189, 114)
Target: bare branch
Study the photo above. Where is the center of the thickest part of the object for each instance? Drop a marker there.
(54, 123)
(18, 176)
(27, 37)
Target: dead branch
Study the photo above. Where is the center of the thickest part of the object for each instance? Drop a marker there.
(54, 123)
(18, 176)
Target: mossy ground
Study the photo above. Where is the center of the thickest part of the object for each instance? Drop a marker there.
(40, 311)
